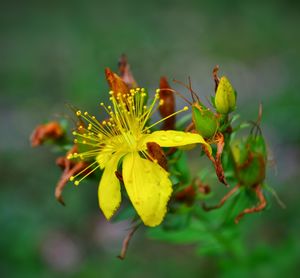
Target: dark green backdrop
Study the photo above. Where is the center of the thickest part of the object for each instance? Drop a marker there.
(53, 52)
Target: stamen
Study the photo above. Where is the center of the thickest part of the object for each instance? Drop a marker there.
(89, 166)
(185, 108)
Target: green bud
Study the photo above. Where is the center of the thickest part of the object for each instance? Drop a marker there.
(225, 99)
(250, 158)
(205, 120)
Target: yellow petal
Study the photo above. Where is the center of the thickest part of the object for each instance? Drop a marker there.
(109, 191)
(172, 138)
(103, 158)
(148, 188)
(107, 150)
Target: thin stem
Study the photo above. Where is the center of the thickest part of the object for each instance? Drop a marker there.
(126, 242)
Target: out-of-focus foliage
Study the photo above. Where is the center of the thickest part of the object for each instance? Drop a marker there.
(53, 52)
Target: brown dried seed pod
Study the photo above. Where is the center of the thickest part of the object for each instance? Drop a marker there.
(168, 104)
(115, 83)
(157, 154)
(125, 72)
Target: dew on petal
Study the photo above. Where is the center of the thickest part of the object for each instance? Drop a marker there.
(164, 138)
(177, 138)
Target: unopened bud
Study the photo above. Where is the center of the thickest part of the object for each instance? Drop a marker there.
(250, 157)
(225, 99)
(205, 121)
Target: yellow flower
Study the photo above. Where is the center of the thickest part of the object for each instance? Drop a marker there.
(122, 139)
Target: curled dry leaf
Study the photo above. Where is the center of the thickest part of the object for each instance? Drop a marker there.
(215, 76)
(41, 133)
(217, 162)
(70, 168)
(259, 207)
(125, 72)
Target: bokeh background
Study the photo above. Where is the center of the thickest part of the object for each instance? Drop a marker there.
(55, 52)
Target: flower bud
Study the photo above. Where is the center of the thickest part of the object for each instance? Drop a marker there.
(225, 99)
(250, 157)
(205, 121)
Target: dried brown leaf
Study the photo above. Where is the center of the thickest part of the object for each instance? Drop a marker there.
(41, 133)
(125, 72)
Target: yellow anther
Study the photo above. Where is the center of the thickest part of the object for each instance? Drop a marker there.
(185, 108)
(157, 91)
(74, 133)
(71, 178)
(78, 113)
(86, 113)
(76, 182)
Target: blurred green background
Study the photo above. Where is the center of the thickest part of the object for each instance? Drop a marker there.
(53, 52)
